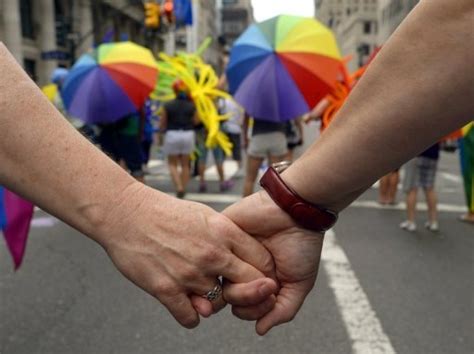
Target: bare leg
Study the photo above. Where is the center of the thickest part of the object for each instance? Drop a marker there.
(431, 200)
(411, 204)
(253, 164)
(175, 176)
(392, 187)
(383, 189)
(220, 171)
(274, 159)
(185, 172)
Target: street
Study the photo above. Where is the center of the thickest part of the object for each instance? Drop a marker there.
(380, 289)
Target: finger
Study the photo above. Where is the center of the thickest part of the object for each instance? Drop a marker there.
(255, 312)
(251, 251)
(202, 306)
(205, 307)
(238, 271)
(180, 307)
(288, 302)
(248, 294)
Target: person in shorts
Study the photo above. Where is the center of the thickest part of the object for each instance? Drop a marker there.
(121, 141)
(420, 172)
(219, 157)
(233, 128)
(267, 141)
(177, 121)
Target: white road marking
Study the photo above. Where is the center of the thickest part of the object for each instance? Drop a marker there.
(370, 204)
(451, 177)
(362, 324)
(44, 221)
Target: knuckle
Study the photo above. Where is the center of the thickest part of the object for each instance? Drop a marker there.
(164, 288)
(267, 264)
(188, 274)
(211, 254)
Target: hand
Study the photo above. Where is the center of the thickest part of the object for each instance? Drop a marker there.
(175, 250)
(296, 253)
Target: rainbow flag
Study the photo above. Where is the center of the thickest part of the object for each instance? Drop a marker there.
(467, 163)
(15, 218)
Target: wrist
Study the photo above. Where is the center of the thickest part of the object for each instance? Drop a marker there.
(306, 214)
(111, 216)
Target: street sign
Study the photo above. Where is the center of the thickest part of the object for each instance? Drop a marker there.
(55, 55)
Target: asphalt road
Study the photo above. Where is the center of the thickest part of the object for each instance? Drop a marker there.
(380, 289)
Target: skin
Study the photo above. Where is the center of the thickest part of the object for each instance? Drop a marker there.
(428, 65)
(172, 249)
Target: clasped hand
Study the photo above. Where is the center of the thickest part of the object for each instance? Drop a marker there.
(175, 250)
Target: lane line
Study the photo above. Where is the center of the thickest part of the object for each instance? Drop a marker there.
(362, 325)
(370, 204)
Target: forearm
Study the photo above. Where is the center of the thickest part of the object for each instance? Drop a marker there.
(48, 162)
(418, 89)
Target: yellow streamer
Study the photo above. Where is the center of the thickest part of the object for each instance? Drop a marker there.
(201, 80)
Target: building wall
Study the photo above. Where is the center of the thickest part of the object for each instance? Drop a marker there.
(236, 16)
(390, 14)
(360, 26)
(45, 34)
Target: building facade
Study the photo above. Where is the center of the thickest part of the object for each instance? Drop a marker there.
(45, 34)
(236, 16)
(361, 26)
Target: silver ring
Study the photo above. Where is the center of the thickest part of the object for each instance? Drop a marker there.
(214, 293)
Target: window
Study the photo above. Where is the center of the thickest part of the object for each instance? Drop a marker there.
(367, 27)
(26, 15)
(30, 67)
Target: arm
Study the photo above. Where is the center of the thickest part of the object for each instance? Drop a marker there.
(418, 89)
(299, 126)
(145, 232)
(317, 111)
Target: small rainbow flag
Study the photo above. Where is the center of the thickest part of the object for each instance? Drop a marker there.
(15, 218)
(467, 163)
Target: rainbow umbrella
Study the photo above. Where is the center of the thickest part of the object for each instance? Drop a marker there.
(110, 83)
(279, 69)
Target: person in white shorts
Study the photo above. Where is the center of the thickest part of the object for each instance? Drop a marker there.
(178, 120)
(267, 140)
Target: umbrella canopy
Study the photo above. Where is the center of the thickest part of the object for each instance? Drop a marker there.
(280, 68)
(110, 83)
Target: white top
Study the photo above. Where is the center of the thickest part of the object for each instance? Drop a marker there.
(232, 125)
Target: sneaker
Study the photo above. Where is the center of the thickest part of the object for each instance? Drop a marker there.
(226, 185)
(180, 194)
(202, 187)
(432, 226)
(408, 225)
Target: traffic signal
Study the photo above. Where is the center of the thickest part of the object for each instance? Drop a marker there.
(168, 11)
(152, 15)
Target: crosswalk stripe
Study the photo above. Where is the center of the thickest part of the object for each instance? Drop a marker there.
(360, 320)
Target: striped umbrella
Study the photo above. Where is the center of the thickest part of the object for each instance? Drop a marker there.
(110, 83)
(280, 68)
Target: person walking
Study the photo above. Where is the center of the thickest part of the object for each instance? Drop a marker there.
(420, 172)
(388, 185)
(267, 141)
(178, 119)
(233, 128)
(121, 141)
(219, 157)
